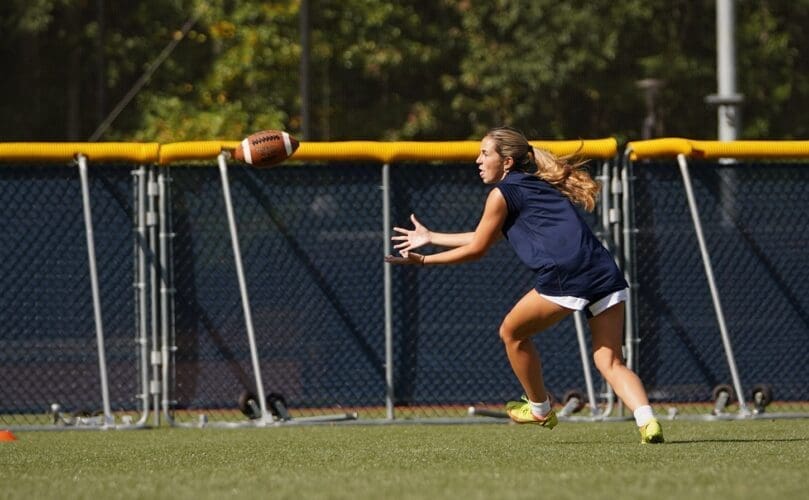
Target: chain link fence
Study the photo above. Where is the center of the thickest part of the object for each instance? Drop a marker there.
(753, 218)
(49, 370)
(312, 242)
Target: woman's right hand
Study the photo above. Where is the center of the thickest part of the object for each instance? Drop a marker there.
(411, 258)
(410, 239)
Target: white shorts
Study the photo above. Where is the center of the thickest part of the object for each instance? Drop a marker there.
(593, 309)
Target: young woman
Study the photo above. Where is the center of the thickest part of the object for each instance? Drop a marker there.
(532, 205)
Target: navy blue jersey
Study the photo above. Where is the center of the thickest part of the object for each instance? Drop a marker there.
(550, 236)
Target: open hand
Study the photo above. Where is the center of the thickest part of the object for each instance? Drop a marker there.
(410, 239)
(406, 258)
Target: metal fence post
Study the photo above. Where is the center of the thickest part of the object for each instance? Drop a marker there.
(141, 314)
(706, 261)
(151, 223)
(167, 347)
(266, 417)
(629, 231)
(388, 285)
(91, 257)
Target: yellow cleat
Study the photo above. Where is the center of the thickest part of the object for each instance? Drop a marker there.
(651, 432)
(520, 412)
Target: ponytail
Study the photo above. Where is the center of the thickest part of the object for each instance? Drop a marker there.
(569, 175)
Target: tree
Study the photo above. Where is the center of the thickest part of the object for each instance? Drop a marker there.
(422, 69)
(380, 68)
(773, 57)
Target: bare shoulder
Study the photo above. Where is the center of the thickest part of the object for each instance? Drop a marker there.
(495, 210)
(495, 199)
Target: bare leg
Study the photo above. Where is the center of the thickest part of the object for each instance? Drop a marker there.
(607, 329)
(531, 314)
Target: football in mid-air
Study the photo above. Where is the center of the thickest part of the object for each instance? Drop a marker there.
(266, 148)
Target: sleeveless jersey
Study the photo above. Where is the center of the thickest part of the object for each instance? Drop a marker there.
(550, 237)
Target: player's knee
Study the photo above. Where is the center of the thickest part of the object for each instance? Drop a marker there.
(605, 363)
(507, 334)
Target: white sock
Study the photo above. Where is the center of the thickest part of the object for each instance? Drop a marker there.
(643, 415)
(541, 409)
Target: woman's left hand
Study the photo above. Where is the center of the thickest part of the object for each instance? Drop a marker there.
(410, 239)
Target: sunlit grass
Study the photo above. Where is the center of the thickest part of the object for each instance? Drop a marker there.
(732, 459)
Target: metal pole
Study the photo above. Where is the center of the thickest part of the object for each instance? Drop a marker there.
(165, 291)
(706, 261)
(617, 216)
(628, 219)
(604, 177)
(650, 88)
(608, 215)
(631, 336)
(388, 284)
(142, 339)
(91, 257)
(151, 222)
(168, 265)
(727, 100)
(266, 417)
(585, 363)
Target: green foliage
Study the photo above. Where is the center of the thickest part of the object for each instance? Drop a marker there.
(239, 75)
(378, 65)
(382, 70)
(774, 50)
(537, 65)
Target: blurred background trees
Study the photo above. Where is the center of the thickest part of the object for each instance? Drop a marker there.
(385, 70)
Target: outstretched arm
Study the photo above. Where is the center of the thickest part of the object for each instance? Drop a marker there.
(452, 240)
(410, 239)
(472, 245)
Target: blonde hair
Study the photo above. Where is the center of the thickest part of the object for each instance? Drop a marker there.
(566, 173)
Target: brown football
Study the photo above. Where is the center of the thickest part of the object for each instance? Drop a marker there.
(266, 148)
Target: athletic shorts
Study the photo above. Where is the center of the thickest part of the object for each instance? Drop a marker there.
(592, 306)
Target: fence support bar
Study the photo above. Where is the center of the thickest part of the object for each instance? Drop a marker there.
(632, 339)
(706, 261)
(388, 284)
(166, 293)
(140, 286)
(91, 256)
(151, 222)
(266, 417)
(585, 364)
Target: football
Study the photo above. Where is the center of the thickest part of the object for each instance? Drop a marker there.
(266, 148)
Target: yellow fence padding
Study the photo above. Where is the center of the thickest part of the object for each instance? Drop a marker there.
(750, 149)
(658, 148)
(708, 150)
(192, 151)
(64, 152)
(390, 152)
(383, 152)
(343, 151)
(592, 148)
(429, 151)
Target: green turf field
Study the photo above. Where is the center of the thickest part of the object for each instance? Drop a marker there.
(701, 460)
